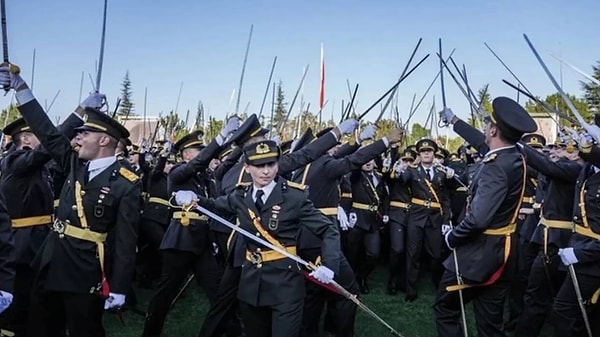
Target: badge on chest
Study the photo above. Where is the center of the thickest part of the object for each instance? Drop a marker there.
(274, 220)
(100, 204)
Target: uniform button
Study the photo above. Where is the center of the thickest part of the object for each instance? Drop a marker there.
(82, 192)
(575, 218)
(257, 234)
(74, 207)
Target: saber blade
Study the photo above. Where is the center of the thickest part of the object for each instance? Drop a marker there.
(101, 58)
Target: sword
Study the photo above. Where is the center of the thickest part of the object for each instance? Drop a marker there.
(586, 320)
(596, 82)
(442, 122)
(464, 92)
(341, 290)
(13, 68)
(459, 280)
(582, 122)
(262, 105)
(237, 103)
(101, 58)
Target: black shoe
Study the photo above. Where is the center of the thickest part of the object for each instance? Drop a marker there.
(363, 286)
(410, 297)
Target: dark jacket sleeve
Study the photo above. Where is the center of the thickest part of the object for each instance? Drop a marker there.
(184, 172)
(311, 152)
(160, 165)
(28, 161)
(228, 163)
(471, 135)
(491, 191)
(346, 149)
(51, 138)
(562, 169)
(67, 128)
(7, 251)
(339, 167)
(592, 155)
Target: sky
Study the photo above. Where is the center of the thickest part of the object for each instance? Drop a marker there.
(202, 44)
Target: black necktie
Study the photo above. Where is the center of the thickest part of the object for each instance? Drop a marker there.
(428, 175)
(259, 202)
(86, 176)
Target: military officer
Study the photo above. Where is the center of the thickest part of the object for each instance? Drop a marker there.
(272, 291)
(97, 199)
(484, 240)
(7, 259)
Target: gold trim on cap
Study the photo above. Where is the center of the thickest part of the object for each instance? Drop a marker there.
(96, 126)
(197, 142)
(255, 132)
(263, 156)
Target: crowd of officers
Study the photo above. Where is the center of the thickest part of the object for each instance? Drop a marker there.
(84, 213)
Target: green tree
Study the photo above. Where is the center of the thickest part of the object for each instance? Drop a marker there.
(173, 125)
(280, 108)
(485, 98)
(9, 115)
(556, 102)
(126, 108)
(591, 90)
(213, 128)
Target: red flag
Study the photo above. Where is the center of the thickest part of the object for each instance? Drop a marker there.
(322, 83)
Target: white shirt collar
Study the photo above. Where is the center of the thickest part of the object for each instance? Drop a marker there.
(267, 189)
(498, 149)
(96, 166)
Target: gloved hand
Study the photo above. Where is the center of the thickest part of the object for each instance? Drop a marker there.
(446, 229)
(185, 197)
(5, 300)
(342, 218)
(352, 218)
(387, 162)
(567, 255)
(230, 127)
(95, 101)
(348, 126)
(323, 274)
(449, 172)
(368, 133)
(447, 115)
(114, 301)
(276, 139)
(594, 131)
(385, 219)
(585, 140)
(9, 79)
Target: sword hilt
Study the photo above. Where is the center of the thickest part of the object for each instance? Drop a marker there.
(14, 69)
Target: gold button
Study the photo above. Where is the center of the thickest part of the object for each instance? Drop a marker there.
(74, 207)
(82, 192)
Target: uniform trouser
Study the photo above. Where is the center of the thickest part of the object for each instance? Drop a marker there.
(16, 316)
(151, 234)
(527, 253)
(418, 238)
(176, 267)
(397, 268)
(566, 313)
(52, 312)
(272, 321)
(342, 310)
(488, 304)
(220, 240)
(362, 241)
(544, 280)
(222, 315)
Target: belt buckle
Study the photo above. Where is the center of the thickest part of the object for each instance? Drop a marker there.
(372, 208)
(427, 203)
(256, 259)
(59, 227)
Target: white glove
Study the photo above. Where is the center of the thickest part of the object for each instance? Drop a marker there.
(449, 172)
(447, 115)
(168, 146)
(385, 219)
(352, 218)
(368, 132)
(94, 100)
(387, 162)
(8, 79)
(323, 274)
(185, 197)
(567, 255)
(348, 126)
(585, 139)
(5, 300)
(594, 131)
(276, 139)
(342, 218)
(114, 301)
(232, 125)
(446, 229)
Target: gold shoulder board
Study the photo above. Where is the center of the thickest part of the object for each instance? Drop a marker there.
(242, 185)
(132, 177)
(490, 158)
(296, 185)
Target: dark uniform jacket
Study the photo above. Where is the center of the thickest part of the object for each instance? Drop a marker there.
(110, 205)
(7, 251)
(285, 211)
(496, 194)
(190, 176)
(366, 193)
(155, 209)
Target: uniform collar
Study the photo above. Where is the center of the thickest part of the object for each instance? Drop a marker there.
(101, 163)
(266, 189)
(498, 150)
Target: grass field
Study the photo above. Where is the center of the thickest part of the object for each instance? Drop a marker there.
(411, 319)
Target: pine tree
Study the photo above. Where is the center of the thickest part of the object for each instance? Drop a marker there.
(592, 90)
(126, 107)
(280, 111)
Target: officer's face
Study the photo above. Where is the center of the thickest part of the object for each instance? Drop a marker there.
(90, 144)
(213, 164)
(263, 175)
(168, 167)
(368, 167)
(134, 158)
(426, 156)
(189, 154)
(28, 139)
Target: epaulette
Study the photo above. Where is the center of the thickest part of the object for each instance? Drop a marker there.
(414, 166)
(242, 185)
(120, 158)
(490, 158)
(132, 177)
(296, 185)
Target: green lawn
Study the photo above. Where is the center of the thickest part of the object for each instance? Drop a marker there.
(411, 319)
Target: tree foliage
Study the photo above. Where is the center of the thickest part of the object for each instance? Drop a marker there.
(592, 90)
(556, 102)
(126, 108)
